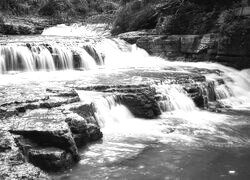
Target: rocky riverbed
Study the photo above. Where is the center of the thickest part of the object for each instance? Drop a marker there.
(45, 124)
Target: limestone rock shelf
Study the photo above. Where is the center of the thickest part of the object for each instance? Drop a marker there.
(208, 47)
(45, 132)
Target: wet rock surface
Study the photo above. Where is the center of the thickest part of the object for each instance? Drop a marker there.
(48, 130)
(51, 123)
(51, 159)
(12, 161)
(143, 99)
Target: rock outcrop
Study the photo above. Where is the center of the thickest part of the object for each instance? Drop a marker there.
(208, 47)
(144, 100)
(48, 130)
(12, 161)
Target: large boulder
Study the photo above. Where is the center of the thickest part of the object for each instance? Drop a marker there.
(46, 128)
(83, 124)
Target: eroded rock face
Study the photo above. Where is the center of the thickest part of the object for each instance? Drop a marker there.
(142, 103)
(49, 128)
(208, 47)
(51, 159)
(143, 100)
(46, 99)
(82, 122)
(46, 128)
(12, 162)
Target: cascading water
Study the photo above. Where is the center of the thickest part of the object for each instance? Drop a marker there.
(47, 57)
(174, 99)
(182, 140)
(43, 58)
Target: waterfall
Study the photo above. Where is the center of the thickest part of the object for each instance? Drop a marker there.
(109, 112)
(2, 65)
(16, 58)
(115, 118)
(50, 57)
(225, 85)
(43, 58)
(232, 87)
(87, 61)
(173, 98)
(63, 57)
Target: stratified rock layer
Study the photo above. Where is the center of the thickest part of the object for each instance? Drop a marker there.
(208, 47)
(12, 162)
(48, 130)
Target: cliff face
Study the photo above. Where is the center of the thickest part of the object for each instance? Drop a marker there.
(189, 30)
(172, 16)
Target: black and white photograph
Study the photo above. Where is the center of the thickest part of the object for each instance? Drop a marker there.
(124, 89)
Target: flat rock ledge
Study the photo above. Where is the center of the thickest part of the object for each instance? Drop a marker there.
(44, 133)
(12, 162)
(145, 100)
(213, 47)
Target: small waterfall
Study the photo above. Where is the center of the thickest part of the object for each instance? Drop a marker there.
(115, 118)
(2, 64)
(48, 57)
(109, 112)
(86, 60)
(16, 58)
(174, 98)
(43, 58)
(119, 54)
(63, 57)
(232, 87)
(96, 56)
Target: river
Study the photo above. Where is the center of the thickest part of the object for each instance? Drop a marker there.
(184, 142)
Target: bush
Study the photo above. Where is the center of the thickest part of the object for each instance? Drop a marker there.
(133, 16)
(55, 7)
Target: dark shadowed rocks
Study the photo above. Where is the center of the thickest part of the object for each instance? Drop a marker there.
(51, 159)
(12, 162)
(209, 47)
(142, 103)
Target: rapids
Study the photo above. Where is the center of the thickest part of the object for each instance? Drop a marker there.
(184, 142)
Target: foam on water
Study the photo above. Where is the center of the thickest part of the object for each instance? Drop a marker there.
(174, 99)
(88, 30)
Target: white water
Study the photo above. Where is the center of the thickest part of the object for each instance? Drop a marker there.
(21, 58)
(234, 91)
(181, 124)
(89, 30)
(174, 99)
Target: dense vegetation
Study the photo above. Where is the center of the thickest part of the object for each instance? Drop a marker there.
(176, 16)
(60, 9)
(163, 16)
